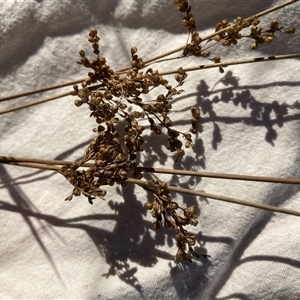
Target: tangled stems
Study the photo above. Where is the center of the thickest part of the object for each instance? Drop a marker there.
(162, 207)
(112, 96)
(118, 96)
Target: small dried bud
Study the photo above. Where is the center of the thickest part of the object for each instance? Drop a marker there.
(230, 30)
(195, 112)
(216, 59)
(254, 46)
(194, 221)
(78, 103)
(180, 153)
(191, 210)
(291, 30)
(76, 192)
(123, 174)
(149, 205)
(274, 24)
(133, 50)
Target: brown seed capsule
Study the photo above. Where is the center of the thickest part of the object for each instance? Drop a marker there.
(274, 24)
(149, 205)
(191, 210)
(254, 46)
(76, 192)
(78, 103)
(180, 153)
(230, 30)
(194, 221)
(291, 30)
(133, 50)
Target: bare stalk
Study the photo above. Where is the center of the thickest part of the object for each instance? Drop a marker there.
(221, 175)
(54, 87)
(34, 165)
(8, 110)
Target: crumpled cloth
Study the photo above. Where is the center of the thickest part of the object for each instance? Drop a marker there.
(51, 249)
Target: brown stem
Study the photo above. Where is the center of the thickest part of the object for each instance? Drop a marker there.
(54, 87)
(34, 165)
(8, 110)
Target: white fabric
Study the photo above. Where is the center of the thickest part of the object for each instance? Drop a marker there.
(51, 249)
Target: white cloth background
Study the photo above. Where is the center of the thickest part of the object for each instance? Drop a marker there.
(51, 249)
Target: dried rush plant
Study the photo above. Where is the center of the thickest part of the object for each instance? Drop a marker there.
(115, 96)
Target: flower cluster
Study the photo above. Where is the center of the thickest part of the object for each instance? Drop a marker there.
(116, 100)
(164, 211)
(229, 33)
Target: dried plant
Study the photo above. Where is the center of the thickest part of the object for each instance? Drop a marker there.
(117, 97)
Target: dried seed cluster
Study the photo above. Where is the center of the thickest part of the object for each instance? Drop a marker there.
(188, 21)
(113, 97)
(232, 32)
(116, 101)
(227, 33)
(164, 211)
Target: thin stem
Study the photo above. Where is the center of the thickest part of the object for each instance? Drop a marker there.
(8, 110)
(54, 87)
(34, 165)
(15, 160)
(220, 175)
(235, 62)
(218, 197)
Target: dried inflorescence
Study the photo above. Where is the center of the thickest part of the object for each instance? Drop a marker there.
(118, 96)
(226, 33)
(114, 97)
(230, 33)
(164, 211)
